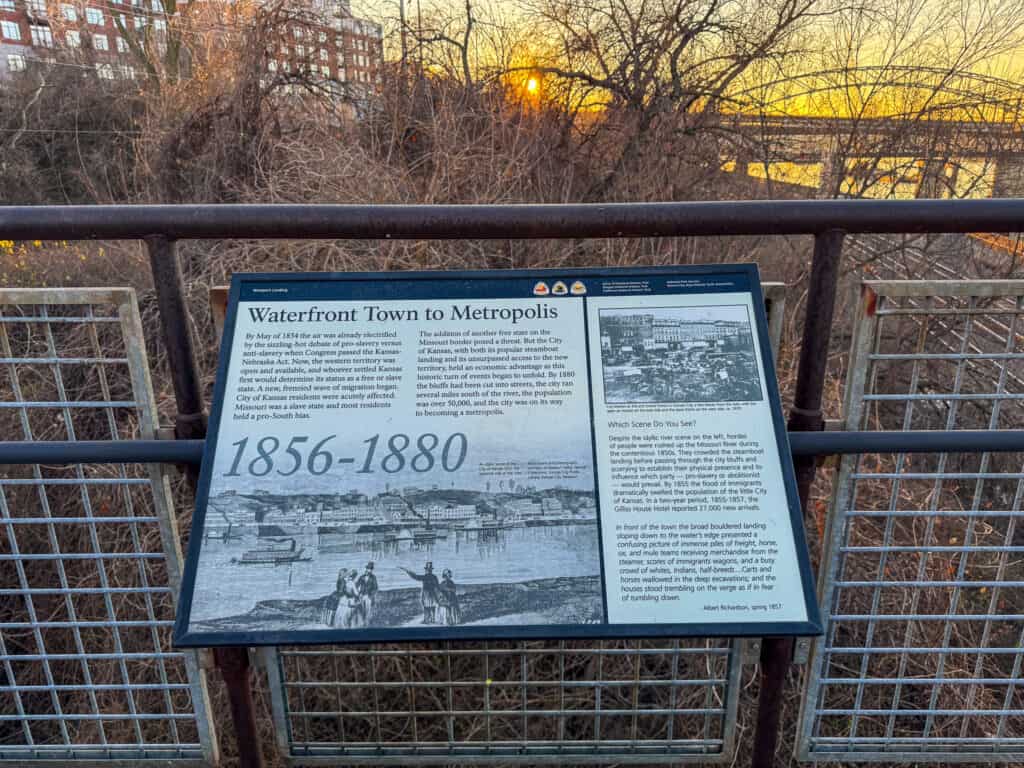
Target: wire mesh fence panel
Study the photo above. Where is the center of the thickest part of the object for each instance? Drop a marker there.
(594, 701)
(89, 554)
(610, 701)
(924, 558)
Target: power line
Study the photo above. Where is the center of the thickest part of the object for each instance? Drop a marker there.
(132, 10)
(313, 46)
(76, 131)
(138, 67)
(89, 67)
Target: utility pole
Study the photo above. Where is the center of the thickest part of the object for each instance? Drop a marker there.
(405, 42)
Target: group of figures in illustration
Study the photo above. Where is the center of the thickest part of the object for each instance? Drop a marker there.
(351, 604)
(352, 560)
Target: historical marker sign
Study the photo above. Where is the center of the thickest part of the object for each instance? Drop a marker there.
(496, 454)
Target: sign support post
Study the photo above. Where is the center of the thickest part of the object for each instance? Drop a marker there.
(805, 416)
(190, 424)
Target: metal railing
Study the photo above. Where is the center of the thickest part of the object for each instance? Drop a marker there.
(827, 221)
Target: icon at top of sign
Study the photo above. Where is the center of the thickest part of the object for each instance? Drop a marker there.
(559, 289)
(540, 289)
(578, 288)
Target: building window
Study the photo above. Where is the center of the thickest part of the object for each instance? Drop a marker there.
(272, 66)
(323, 37)
(94, 16)
(297, 32)
(15, 62)
(99, 42)
(105, 71)
(73, 39)
(140, 22)
(286, 66)
(37, 7)
(323, 55)
(10, 30)
(341, 73)
(41, 36)
(159, 25)
(68, 12)
(6, 5)
(158, 6)
(122, 46)
(300, 51)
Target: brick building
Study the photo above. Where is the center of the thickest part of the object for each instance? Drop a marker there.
(328, 43)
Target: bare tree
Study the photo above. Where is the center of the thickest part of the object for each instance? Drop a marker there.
(909, 95)
(158, 38)
(917, 101)
(659, 70)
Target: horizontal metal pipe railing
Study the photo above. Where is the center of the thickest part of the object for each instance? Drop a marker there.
(801, 444)
(594, 220)
(827, 220)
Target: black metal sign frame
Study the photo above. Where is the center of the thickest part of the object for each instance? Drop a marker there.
(498, 283)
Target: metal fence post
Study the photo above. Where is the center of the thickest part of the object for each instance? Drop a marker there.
(190, 421)
(804, 416)
(190, 424)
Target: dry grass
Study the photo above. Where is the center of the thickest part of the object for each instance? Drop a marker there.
(436, 146)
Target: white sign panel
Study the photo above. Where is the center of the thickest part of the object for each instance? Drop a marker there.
(399, 456)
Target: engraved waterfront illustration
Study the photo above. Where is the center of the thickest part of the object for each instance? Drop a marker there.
(409, 556)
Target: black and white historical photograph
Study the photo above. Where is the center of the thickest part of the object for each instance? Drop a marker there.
(508, 552)
(678, 355)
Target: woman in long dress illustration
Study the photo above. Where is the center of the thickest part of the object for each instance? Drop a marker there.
(348, 614)
(448, 600)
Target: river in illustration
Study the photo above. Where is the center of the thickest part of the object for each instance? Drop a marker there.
(522, 554)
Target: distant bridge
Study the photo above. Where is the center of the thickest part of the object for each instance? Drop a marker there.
(966, 136)
(966, 117)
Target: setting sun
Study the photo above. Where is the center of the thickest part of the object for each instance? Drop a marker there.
(532, 85)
